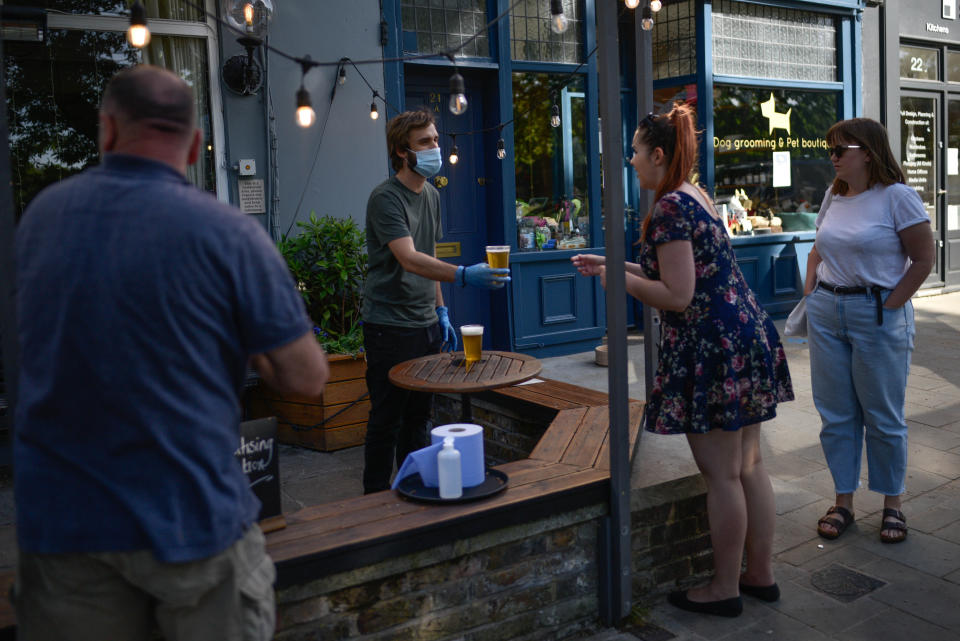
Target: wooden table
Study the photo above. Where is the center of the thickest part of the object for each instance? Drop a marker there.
(447, 372)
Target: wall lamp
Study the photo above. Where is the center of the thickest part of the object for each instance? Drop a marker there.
(241, 73)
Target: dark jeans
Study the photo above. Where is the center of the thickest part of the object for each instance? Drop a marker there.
(398, 417)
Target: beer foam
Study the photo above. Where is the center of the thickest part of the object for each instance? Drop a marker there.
(471, 330)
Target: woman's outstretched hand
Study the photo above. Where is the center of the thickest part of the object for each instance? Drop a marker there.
(589, 264)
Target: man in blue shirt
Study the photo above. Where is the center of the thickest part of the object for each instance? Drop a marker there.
(140, 301)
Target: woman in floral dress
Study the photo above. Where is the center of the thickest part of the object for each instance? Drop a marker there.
(722, 368)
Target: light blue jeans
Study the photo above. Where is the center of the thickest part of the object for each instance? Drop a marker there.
(859, 374)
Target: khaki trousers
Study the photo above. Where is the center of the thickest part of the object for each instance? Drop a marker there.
(127, 596)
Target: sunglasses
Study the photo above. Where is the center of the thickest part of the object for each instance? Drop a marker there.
(839, 149)
(649, 120)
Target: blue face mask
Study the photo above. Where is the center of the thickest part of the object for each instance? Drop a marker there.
(426, 162)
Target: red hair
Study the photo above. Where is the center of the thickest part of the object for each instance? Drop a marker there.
(676, 134)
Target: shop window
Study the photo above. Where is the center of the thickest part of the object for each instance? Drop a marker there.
(760, 41)
(770, 148)
(918, 149)
(435, 26)
(164, 9)
(53, 93)
(665, 97)
(920, 63)
(675, 40)
(551, 162)
(953, 66)
(532, 39)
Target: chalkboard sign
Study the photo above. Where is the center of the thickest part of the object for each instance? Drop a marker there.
(258, 456)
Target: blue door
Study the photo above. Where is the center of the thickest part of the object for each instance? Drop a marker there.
(463, 192)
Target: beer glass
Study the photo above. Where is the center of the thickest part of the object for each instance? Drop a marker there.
(472, 340)
(498, 256)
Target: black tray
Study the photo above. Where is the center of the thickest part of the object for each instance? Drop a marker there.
(412, 487)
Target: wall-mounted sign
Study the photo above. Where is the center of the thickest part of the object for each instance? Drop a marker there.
(252, 198)
(448, 250)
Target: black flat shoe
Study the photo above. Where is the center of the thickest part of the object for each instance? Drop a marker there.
(768, 593)
(723, 608)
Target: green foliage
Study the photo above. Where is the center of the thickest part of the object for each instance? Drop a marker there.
(328, 261)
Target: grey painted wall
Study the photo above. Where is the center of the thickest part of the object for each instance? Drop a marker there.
(872, 39)
(351, 157)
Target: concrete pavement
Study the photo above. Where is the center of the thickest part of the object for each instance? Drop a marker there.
(855, 587)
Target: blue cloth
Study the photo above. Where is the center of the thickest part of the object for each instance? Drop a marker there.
(140, 299)
(859, 373)
(722, 365)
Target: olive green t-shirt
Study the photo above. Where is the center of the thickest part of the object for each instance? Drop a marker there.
(392, 295)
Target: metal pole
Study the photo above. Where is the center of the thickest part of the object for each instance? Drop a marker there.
(644, 83)
(618, 572)
(8, 328)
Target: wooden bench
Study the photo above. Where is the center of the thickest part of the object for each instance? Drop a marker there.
(568, 468)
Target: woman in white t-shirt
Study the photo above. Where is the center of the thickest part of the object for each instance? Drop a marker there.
(873, 250)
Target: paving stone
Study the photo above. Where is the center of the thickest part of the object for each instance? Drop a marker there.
(922, 595)
(930, 554)
(950, 532)
(822, 612)
(787, 466)
(931, 519)
(778, 627)
(936, 437)
(933, 460)
(893, 624)
(789, 497)
(919, 481)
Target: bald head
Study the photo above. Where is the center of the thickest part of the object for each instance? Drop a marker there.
(149, 111)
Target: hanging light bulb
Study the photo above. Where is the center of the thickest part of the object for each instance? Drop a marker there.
(458, 97)
(501, 149)
(306, 116)
(656, 5)
(248, 15)
(631, 4)
(555, 116)
(374, 114)
(558, 21)
(342, 76)
(647, 24)
(138, 35)
(454, 152)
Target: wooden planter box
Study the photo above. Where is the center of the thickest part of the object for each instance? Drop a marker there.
(336, 420)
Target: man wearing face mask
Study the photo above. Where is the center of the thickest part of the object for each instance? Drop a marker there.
(403, 311)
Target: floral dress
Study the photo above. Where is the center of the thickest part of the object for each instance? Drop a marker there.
(721, 361)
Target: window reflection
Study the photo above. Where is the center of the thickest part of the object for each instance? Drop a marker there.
(53, 94)
(770, 148)
(551, 162)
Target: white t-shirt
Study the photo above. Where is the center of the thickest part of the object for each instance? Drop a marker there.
(857, 236)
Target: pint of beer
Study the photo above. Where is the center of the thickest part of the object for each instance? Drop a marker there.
(498, 256)
(472, 340)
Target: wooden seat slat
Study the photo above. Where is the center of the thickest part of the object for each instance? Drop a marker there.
(588, 439)
(523, 393)
(438, 515)
(633, 433)
(554, 442)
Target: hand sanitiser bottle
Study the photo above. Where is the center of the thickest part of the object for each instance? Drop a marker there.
(448, 471)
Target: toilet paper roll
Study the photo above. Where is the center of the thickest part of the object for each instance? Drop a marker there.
(468, 439)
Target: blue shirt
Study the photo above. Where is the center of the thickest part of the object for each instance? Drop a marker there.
(140, 299)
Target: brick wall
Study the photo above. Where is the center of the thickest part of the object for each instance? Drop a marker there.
(533, 581)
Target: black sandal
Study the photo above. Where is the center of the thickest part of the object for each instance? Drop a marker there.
(846, 518)
(889, 512)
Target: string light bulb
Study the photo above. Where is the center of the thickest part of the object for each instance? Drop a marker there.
(374, 113)
(458, 97)
(138, 34)
(248, 15)
(454, 151)
(647, 24)
(342, 76)
(555, 117)
(558, 21)
(632, 4)
(656, 5)
(306, 116)
(501, 149)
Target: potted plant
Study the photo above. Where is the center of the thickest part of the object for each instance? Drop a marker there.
(328, 261)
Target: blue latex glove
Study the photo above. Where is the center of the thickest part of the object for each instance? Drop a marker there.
(482, 275)
(447, 331)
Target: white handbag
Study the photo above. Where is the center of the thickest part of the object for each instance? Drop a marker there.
(797, 320)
